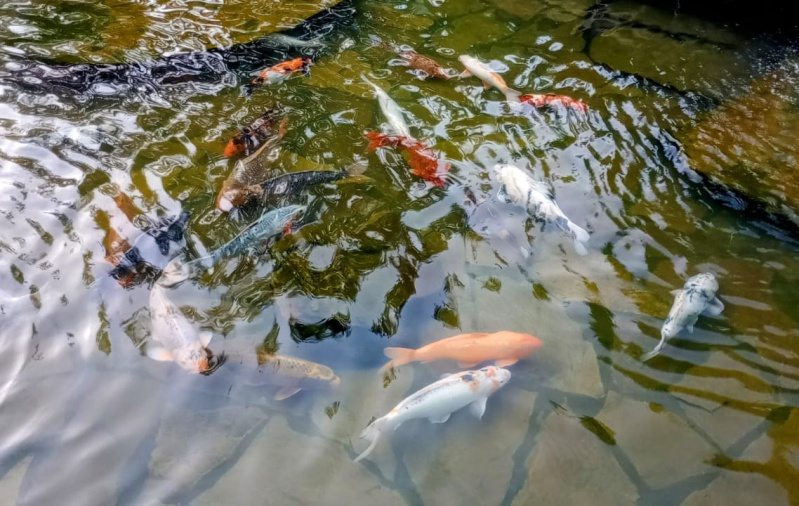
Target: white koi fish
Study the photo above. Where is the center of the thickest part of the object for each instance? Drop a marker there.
(439, 400)
(475, 67)
(521, 189)
(697, 296)
(391, 110)
(173, 338)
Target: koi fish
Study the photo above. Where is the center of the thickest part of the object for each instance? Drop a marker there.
(291, 374)
(697, 296)
(173, 338)
(438, 401)
(521, 189)
(545, 100)
(243, 183)
(277, 187)
(159, 244)
(475, 67)
(505, 348)
(269, 225)
(391, 110)
(423, 161)
(424, 63)
(276, 74)
(268, 126)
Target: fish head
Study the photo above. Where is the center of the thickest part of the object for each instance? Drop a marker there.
(705, 283)
(468, 61)
(175, 272)
(495, 377)
(196, 358)
(526, 344)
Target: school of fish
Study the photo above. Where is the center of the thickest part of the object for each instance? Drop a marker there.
(255, 182)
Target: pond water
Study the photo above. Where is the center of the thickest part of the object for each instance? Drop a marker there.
(87, 418)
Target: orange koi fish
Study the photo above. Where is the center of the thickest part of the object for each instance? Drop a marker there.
(276, 74)
(423, 161)
(548, 99)
(504, 348)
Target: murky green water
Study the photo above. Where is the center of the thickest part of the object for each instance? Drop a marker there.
(87, 418)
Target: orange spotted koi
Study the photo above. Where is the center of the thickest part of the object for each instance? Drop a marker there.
(276, 74)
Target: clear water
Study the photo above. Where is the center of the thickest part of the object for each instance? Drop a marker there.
(87, 418)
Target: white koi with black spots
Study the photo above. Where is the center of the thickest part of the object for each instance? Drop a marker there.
(439, 400)
(697, 296)
(522, 190)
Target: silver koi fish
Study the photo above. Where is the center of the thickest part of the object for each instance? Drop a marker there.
(269, 225)
(475, 67)
(697, 296)
(391, 110)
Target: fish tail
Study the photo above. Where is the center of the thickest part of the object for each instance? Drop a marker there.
(646, 356)
(372, 433)
(398, 356)
(512, 95)
(381, 140)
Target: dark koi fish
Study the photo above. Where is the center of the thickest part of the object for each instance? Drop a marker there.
(212, 65)
(423, 161)
(545, 100)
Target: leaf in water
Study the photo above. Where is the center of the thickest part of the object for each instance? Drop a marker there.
(103, 335)
(599, 429)
(539, 292)
(332, 410)
(17, 274)
(492, 284)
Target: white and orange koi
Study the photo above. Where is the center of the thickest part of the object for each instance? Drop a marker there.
(505, 348)
(439, 400)
(475, 67)
(173, 337)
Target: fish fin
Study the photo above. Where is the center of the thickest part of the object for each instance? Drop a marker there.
(690, 328)
(372, 432)
(440, 419)
(466, 365)
(512, 95)
(159, 353)
(660, 345)
(675, 292)
(235, 214)
(464, 74)
(478, 407)
(398, 356)
(580, 248)
(286, 392)
(502, 195)
(505, 362)
(205, 338)
(486, 86)
(714, 308)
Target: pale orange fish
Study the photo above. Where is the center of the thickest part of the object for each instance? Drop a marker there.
(544, 100)
(504, 348)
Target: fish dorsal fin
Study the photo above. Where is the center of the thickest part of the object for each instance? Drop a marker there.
(439, 419)
(205, 338)
(159, 353)
(478, 407)
(286, 392)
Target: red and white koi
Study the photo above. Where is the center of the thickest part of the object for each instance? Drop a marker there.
(439, 400)
(278, 73)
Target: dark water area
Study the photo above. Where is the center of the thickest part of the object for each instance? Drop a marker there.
(685, 162)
